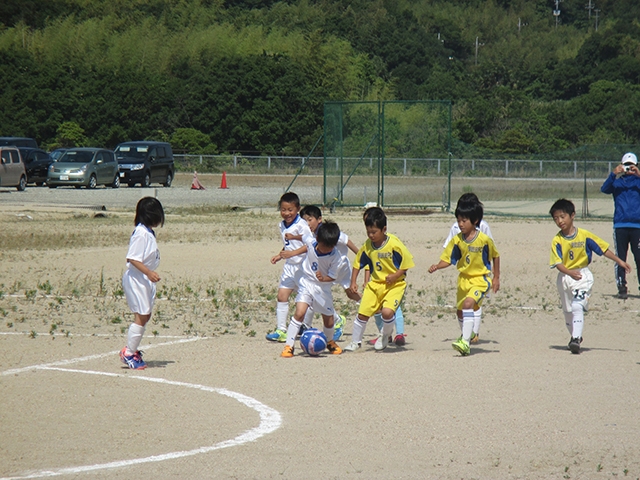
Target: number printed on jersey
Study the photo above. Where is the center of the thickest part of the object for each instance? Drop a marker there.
(579, 294)
(314, 266)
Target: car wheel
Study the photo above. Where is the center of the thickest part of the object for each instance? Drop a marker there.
(116, 181)
(23, 184)
(92, 182)
(146, 181)
(167, 182)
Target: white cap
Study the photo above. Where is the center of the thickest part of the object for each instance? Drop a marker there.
(629, 158)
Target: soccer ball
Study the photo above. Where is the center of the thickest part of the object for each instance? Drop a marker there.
(313, 342)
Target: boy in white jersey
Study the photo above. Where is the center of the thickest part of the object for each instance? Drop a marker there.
(388, 261)
(455, 230)
(313, 216)
(321, 266)
(472, 252)
(291, 224)
(571, 252)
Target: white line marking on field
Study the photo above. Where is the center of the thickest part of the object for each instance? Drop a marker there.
(270, 420)
(71, 361)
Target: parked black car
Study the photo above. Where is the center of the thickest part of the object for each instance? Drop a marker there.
(36, 162)
(57, 153)
(145, 162)
(19, 142)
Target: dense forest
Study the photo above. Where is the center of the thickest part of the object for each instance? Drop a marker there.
(252, 76)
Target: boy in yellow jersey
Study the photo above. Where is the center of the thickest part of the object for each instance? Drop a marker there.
(472, 252)
(388, 261)
(571, 252)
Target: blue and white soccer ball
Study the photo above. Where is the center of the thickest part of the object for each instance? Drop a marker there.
(313, 342)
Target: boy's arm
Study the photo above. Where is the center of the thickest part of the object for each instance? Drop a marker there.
(292, 253)
(496, 274)
(575, 274)
(354, 279)
(612, 256)
(291, 236)
(393, 277)
(438, 266)
(352, 246)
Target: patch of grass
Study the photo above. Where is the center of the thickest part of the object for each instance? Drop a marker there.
(30, 294)
(33, 334)
(46, 287)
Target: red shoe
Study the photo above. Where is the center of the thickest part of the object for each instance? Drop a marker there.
(400, 340)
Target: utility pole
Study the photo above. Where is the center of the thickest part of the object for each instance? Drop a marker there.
(556, 12)
(590, 7)
(478, 45)
(597, 12)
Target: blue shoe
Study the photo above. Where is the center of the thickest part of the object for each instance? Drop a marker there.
(277, 336)
(339, 327)
(303, 328)
(134, 361)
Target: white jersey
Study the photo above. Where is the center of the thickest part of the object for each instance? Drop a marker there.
(455, 229)
(329, 264)
(298, 227)
(344, 272)
(139, 290)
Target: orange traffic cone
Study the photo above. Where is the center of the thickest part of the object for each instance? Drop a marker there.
(195, 184)
(223, 184)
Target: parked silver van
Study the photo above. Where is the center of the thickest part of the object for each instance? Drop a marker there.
(12, 171)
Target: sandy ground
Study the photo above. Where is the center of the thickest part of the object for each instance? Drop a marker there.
(520, 406)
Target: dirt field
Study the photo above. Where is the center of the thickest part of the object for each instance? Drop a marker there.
(217, 401)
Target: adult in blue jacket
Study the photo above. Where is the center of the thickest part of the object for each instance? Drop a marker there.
(624, 184)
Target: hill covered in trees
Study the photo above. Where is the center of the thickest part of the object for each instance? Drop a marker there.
(252, 76)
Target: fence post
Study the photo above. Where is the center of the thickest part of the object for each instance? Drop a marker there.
(235, 161)
(575, 169)
(609, 167)
(404, 169)
(200, 159)
(473, 164)
(438, 166)
(540, 166)
(268, 163)
(337, 166)
(506, 168)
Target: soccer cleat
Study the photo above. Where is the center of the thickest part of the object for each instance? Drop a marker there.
(277, 336)
(374, 340)
(574, 345)
(622, 292)
(475, 338)
(303, 328)
(353, 346)
(462, 346)
(400, 340)
(134, 361)
(339, 327)
(333, 348)
(287, 352)
(381, 343)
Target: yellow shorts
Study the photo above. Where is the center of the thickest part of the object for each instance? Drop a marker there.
(472, 287)
(378, 295)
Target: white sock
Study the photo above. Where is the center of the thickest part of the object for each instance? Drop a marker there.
(577, 320)
(328, 332)
(308, 317)
(358, 330)
(292, 331)
(282, 312)
(477, 318)
(134, 337)
(568, 321)
(387, 326)
(467, 324)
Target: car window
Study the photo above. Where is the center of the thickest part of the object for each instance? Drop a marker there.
(41, 156)
(6, 157)
(161, 153)
(76, 157)
(109, 157)
(15, 157)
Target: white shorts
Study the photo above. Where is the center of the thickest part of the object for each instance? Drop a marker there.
(291, 275)
(317, 297)
(575, 291)
(139, 291)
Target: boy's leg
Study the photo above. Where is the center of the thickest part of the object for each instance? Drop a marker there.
(282, 313)
(399, 322)
(621, 240)
(388, 322)
(308, 317)
(130, 355)
(634, 238)
(294, 326)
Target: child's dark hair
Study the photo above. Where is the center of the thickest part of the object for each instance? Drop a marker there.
(471, 210)
(469, 198)
(375, 217)
(328, 233)
(563, 205)
(149, 212)
(290, 197)
(312, 211)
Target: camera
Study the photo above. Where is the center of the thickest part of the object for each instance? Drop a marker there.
(627, 168)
